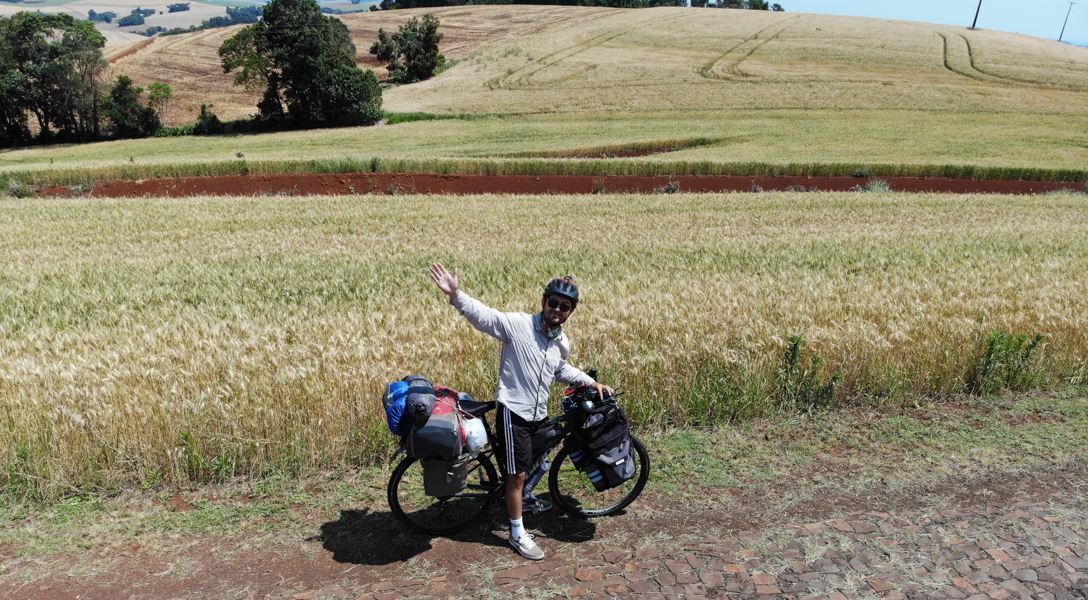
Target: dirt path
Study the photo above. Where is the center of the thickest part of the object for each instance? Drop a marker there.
(424, 183)
(1019, 535)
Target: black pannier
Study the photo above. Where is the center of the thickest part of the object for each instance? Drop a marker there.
(601, 446)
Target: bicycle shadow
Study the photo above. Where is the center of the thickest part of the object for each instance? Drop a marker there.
(377, 538)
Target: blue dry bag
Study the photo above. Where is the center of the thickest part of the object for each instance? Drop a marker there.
(396, 394)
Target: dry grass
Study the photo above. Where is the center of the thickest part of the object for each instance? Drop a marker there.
(148, 340)
(572, 60)
(681, 59)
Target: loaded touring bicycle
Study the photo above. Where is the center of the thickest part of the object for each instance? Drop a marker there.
(449, 477)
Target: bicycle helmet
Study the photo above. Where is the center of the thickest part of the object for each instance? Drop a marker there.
(563, 286)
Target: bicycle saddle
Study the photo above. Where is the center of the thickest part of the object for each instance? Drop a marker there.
(474, 408)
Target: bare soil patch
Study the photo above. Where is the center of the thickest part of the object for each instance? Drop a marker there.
(424, 183)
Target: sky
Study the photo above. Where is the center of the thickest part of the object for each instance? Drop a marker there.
(1042, 18)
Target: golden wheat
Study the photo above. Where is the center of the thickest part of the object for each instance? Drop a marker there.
(172, 339)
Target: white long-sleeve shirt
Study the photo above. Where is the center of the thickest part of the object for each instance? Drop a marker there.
(531, 360)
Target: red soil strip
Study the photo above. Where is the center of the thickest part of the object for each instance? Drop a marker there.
(424, 183)
(132, 50)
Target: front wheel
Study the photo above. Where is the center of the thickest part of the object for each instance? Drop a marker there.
(439, 516)
(574, 493)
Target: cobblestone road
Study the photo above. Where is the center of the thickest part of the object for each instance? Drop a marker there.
(1021, 551)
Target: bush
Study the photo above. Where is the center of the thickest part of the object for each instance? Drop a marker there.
(128, 117)
(207, 123)
(411, 53)
(131, 20)
(352, 96)
(103, 17)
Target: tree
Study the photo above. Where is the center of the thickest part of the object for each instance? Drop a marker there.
(128, 117)
(354, 93)
(412, 52)
(158, 98)
(50, 68)
(292, 51)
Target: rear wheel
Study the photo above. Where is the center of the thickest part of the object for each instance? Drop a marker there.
(573, 492)
(438, 516)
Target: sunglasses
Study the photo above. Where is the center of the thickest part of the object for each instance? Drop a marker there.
(561, 306)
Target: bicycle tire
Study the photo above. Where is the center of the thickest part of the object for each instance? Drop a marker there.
(440, 516)
(572, 491)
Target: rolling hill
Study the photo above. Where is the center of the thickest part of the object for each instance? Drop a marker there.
(530, 59)
(707, 88)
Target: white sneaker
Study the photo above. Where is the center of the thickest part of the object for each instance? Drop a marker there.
(527, 547)
(536, 505)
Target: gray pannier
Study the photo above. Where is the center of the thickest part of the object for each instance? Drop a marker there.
(439, 437)
(444, 478)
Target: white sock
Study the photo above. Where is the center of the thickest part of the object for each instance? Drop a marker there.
(516, 529)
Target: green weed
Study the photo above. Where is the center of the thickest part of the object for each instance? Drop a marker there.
(874, 186)
(1004, 363)
(802, 385)
(16, 188)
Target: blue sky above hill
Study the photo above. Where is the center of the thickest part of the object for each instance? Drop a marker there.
(1042, 18)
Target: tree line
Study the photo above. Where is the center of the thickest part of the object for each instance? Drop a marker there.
(53, 88)
(51, 84)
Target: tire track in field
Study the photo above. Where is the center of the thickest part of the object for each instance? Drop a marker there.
(1035, 83)
(520, 78)
(954, 59)
(726, 66)
(959, 58)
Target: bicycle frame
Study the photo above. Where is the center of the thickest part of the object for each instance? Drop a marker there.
(562, 420)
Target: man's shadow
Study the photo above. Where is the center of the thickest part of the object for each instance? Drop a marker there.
(378, 538)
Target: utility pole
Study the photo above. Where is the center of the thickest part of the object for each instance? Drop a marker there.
(977, 10)
(1066, 20)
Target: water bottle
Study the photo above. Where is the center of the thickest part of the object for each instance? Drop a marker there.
(535, 476)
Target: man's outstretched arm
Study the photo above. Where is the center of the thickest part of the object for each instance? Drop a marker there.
(483, 317)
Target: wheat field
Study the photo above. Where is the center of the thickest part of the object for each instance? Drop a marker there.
(147, 341)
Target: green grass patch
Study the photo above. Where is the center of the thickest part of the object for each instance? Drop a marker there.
(395, 118)
(629, 149)
(599, 167)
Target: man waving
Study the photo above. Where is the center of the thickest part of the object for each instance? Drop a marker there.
(534, 355)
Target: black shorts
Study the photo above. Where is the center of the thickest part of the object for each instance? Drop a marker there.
(515, 440)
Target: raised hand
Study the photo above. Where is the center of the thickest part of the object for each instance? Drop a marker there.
(446, 281)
